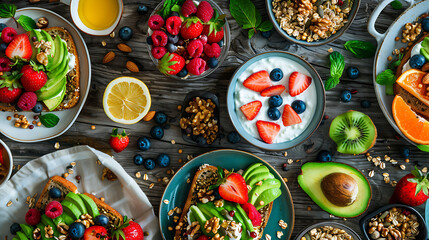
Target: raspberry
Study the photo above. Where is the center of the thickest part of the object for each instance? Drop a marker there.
(4, 65)
(32, 217)
(196, 66)
(188, 8)
(53, 209)
(203, 39)
(173, 25)
(205, 11)
(159, 38)
(195, 48)
(8, 34)
(212, 50)
(27, 101)
(156, 22)
(158, 52)
(252, 213)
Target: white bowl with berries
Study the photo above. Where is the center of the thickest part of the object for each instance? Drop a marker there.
(188, 41)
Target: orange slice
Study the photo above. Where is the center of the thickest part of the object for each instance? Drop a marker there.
(410, 81)
(411, 125)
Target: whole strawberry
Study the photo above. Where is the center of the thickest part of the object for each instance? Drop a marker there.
(191, 28)
(130, 230)
(171, 63)
(10, 88)
(33, 78)
(412, 189)
(118, 142)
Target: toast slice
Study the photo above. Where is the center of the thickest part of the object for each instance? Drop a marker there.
(63, 184)
(416, 105)
(115, 218)
(407, 55)
(206, 176)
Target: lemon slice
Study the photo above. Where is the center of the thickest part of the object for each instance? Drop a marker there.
(126, 100)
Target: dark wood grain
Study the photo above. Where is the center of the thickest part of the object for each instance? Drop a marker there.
(167, 94)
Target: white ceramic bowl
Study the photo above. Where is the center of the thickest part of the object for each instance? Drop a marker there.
(8, 161)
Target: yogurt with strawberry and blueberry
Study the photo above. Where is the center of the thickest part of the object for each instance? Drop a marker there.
(275, 99)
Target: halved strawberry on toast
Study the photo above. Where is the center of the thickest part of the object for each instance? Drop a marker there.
(251, 109)
(20, 47)
(258, 81)
(268, 131)
(298, 83)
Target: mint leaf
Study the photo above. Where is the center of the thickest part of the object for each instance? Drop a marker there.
(331, 82)
(49, 120)
(336, 70)
(265, 26)
(243, 11)
(424, 148)
(251, 33)
(361, 49)
(7, 10)
(396, 5)
(387, 77)
(26, 22)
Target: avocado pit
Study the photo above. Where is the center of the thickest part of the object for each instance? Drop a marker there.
(340, 189)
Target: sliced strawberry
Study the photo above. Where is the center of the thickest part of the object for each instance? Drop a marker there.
(252, 213)
(290, 117)
(268, 130)
(20, 47)
(251, 109)
(298, 83)
(95, 233)
(234, 189)
(258, 81)
(272, 91)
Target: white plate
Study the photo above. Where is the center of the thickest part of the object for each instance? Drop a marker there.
(67, 117)
(124, 194)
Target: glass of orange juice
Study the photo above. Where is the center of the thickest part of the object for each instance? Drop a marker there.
(96, 17)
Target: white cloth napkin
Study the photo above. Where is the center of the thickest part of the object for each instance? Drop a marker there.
(123, 194)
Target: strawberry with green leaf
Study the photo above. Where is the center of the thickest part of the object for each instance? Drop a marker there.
(117, 141)
(214, 28)
(191, 28)
(10, 88)
(231, 187)
(171, 63)
(129, 230)
(412, 189)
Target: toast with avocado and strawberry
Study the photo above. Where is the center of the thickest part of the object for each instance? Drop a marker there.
(242, 209)
(63, 185)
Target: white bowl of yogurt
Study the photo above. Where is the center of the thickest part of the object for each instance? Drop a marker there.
(313, 97)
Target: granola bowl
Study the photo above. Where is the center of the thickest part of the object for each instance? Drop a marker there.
(335, 227)
(303, 23)
(6, 163)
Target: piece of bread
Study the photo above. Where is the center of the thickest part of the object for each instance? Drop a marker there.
(72, 95)
(63, 184)
(416, 105)
(205, 177)
(407, 56)
(115, 218)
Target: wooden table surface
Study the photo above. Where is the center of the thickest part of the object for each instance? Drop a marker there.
(167, 94)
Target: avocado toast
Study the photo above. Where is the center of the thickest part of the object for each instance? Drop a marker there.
(229, 205)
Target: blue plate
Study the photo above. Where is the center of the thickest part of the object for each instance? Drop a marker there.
(177, 190)
(318, 115)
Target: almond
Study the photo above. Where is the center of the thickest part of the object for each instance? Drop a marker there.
(149, 116)
(109, 57)
(425, 67)
(425, 79)
(132, 67)
(124, 47)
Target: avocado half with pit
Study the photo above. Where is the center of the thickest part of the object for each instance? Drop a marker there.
(337, 188)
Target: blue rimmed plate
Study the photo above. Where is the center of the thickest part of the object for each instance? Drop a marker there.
(177, 190)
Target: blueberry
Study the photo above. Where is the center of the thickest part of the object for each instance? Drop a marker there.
(76, 230)
(266, 34)
(405, 152)
(172, 38)
(212, 62)
(2, 26)
(174, 14)
(276, 74)
(149, 40)
(171, 48)
(160, 118)
(353, 72)
(163, 160)
(143, 143)
(324, 156)
(200, 140)
(37, 108)
(101, 220)
(346, 96)
(425, 24)
(284, 167)
(221, 43)
(14, 228)
(365, 104)
(138, 159)
(157, 132)
(299, 106)
(125, 33)
(142, 9)
(233, 137)
(275, 101)
(3, 47)
(274, 114)
(182, 73)
(149, 164)
(54, 193)
(417, 61)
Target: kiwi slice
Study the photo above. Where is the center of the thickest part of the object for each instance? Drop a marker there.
(353, 132)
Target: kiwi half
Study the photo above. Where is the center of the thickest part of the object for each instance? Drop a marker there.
(353, 132)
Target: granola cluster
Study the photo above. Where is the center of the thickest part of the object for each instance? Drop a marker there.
(311, 20)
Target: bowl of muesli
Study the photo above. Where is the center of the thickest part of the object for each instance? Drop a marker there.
(312, 22)
(328, 230)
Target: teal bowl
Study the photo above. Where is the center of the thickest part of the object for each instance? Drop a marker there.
(177, 190)
(319, 109)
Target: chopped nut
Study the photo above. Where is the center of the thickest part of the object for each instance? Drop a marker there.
(151, 185)
(145, 177)
(57, 145)
(212, 225)
(103, 43)
(402, 167)
(138, 175)
(166, 201)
